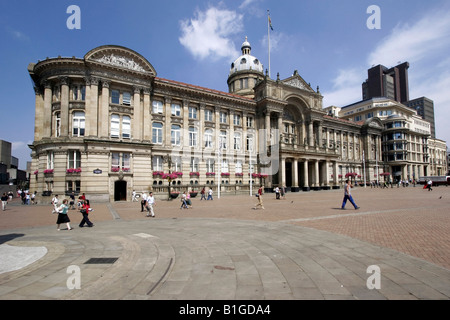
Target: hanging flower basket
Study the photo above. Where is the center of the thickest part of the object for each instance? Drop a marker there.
(225, 174)
(194, 174)
(73, 170)
(210, 174)
(157, 174)
(48, 171)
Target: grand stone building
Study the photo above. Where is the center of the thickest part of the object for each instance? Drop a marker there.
(106, 125)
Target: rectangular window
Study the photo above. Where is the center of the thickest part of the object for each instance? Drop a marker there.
(208, 138)
(74, 160)
(238, 167)
(83, 93)
(250, 122)
(224, 167)
(126, 161)
(192, 136)
(249, 143)
(223, 117)
(75, 92)
(115, 96)
(57, 124)
(192, 113)
(78, 124)
(194, 165)
(126, 127)
(115, 126)
(176, 110)
(175, 135)
(126, 98)
(157, 107)
(157, 133)
(157, 163)
(115, 160)
(237, 120)
(210, 164)
(223, 139)
(208, 115)
(237, 141)
(50, 160)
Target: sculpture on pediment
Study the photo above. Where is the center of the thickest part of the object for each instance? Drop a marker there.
(120, 61)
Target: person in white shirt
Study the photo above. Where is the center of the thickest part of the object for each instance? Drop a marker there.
(143, 201)
(150, 204)
(55, 202)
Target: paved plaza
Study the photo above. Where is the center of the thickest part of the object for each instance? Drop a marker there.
(396, 246)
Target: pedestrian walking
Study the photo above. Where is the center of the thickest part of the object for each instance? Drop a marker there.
(55, 203)
(150, 205)
(4, 201)
(133, 196)
(84, 210)
(259, 195)
(143, 201)
(72, 201)
(183, 201)
(277, 193)
(203, 194)
(63, 217)
(429, 184)
(210, 194)
(348, 195)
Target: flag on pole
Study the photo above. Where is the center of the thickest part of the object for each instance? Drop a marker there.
(270, 23)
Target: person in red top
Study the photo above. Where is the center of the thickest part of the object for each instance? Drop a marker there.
(85, 212)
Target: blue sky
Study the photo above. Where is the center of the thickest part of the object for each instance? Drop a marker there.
(327, 41)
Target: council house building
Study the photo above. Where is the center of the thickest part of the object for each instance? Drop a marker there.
(106, 125)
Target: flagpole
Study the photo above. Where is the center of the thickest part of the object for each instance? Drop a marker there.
(268, 36)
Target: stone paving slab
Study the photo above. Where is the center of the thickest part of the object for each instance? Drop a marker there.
(303, 247)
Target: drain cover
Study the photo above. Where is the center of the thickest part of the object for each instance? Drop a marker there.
(101, 261)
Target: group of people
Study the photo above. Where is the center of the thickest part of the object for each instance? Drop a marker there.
(203, 194)
(26, 197)
(62, 209)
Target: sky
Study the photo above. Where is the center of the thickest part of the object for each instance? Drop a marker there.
(331, 43)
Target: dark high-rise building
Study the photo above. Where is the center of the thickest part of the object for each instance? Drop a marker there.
(425, 109)
(390, 83)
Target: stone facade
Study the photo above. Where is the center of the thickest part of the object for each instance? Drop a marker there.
(107, 125)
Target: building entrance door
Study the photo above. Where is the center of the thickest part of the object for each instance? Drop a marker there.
(120, 191)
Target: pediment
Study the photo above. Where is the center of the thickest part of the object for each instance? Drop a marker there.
(297, 81)
(120, 57)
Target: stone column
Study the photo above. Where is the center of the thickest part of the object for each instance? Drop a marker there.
(138, 114)
(335, 174)
(267, 127)
(295, 173)
(103, 120)
(87, 108)
(316, 174)
(47, 115)
(305, 176)
(282, 173)
(311, 133)
(185, 129)
(92, 108)
(146, 122)
(64, 106)
(168, 123)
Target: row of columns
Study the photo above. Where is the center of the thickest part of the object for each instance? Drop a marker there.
(319, 176)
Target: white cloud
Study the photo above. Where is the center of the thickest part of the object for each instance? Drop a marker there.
(422, 40)
(346, 88)
(208, 34)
